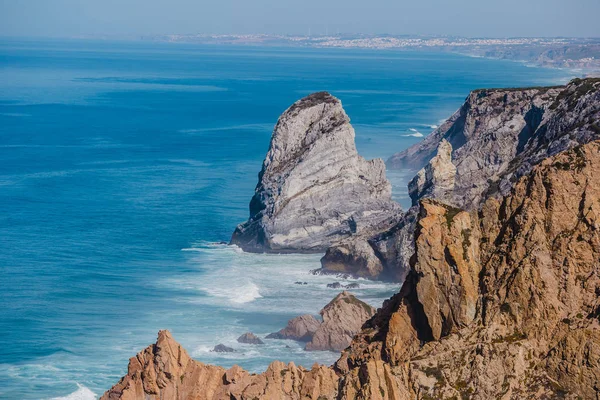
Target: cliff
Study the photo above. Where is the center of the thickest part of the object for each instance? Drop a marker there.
(500, 302)
(498, 135)
(314, 190)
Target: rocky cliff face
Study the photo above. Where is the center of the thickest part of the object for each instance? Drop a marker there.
(165, 371)
(314, 189)
(435, 180)
(498, 135)
(501, 302)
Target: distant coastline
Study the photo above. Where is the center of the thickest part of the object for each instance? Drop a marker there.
(579, 54)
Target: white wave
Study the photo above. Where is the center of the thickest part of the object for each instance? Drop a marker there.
(237, 294)
(433, 126)
(415, 133)
(82, 393)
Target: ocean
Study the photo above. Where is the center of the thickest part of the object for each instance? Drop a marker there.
(124, 165)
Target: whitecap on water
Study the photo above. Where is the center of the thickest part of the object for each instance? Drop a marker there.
(231, 278)
(236, 292)
(82, 393)
(415, 133)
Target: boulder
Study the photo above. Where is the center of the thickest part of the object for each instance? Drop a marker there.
(249, 338)
(342, 319)
(221, 348)
(301, 328)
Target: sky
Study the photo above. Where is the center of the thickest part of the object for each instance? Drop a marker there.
(470, 18)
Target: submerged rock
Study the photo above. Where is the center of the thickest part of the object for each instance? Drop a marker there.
(221, 348)
(314, 190)
(301, 328)
(249, 338)
(352, 286)
(334, 285)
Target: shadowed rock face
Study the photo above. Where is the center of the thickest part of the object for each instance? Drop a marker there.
(314, 190)
(502, 302)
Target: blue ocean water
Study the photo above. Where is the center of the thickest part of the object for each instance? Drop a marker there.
(122, 165)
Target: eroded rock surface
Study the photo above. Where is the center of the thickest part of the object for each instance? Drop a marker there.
(165, 371)
(314, 190)
(500, 303)
(436, 179)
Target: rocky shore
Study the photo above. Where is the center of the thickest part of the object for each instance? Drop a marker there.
(499, 258)
(498, 303)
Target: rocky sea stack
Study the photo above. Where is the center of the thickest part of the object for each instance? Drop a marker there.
(314, 190)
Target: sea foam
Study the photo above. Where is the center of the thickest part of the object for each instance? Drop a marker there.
(82, 393)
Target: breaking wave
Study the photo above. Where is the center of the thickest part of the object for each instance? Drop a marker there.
(82, 393)
(414, 133)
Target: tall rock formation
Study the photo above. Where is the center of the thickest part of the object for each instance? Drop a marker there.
(498, 135)
(314, 190)
(436, 179)
(499, 303)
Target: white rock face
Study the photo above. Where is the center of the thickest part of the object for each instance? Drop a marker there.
(314, 189)
(437, 178)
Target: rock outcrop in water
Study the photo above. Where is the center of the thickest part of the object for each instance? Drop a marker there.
(342, 319)
(314, 190)
(498, 135)
(301, 328)
(502, 302)
(249, 338)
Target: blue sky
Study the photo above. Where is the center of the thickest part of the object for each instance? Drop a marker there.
(497, 18)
